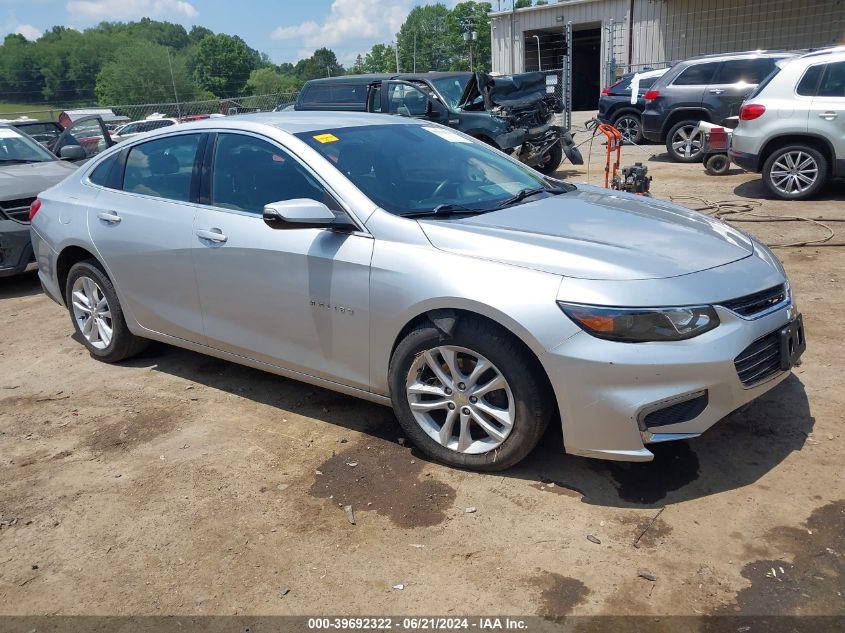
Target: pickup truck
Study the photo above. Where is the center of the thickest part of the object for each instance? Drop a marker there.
(514, 114)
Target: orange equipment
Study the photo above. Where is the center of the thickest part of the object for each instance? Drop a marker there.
(614, 144)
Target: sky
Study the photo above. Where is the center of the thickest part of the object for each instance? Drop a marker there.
(287, 30)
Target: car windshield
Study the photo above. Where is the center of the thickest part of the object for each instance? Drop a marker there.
(451, 88)
(18, 148)
(412, 169)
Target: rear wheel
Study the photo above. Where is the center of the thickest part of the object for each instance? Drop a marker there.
(796, 172)
(683, 143)
(97, 315)
(472, 399)
(630, 127)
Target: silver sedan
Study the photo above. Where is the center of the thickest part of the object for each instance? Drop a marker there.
(406, 263)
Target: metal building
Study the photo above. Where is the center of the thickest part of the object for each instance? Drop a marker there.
(610, 37)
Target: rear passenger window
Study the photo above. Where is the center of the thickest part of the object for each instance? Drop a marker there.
(744, 71)
(697, 75)
(249, 173)
(163, 167)
(810, 81)
(348, 94)
(102, 173)
(833, 81)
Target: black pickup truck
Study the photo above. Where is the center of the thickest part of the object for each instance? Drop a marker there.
(514, 114)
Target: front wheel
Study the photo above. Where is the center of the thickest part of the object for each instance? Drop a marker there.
(796, 172)
(551, 160)
(472, 399)
(684, 143)
(97, 315)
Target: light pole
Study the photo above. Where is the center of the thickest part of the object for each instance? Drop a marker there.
(539, 63)
(396, 50)
(470, 37)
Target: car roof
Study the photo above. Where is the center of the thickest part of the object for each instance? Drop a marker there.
(757, 53)
(340, 79)
(833, 51)
(295, 122)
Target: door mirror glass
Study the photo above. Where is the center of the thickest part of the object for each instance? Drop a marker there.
(299, 213)
(73, 152)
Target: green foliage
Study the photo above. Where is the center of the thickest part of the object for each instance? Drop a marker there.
(267, 80)
(521, 4)
(323, 63)
(140, 73)
(425, 29)
(380, 59)
(222, 64)
(468, 17)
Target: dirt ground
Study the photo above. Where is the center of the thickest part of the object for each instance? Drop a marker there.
(180, 484)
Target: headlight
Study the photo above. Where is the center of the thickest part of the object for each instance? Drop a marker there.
(639, 325)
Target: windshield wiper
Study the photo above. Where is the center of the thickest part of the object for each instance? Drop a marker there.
(527, 193)
(15, 160)
(443, 211)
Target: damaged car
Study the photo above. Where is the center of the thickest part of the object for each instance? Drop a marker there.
(515, 113)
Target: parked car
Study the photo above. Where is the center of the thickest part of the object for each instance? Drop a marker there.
(139, 127)
(792, 129)
(45, 132)
(26, 169)
(88, 133)
(473, 294)
(616, 106)
(707, 88)
(515, 114)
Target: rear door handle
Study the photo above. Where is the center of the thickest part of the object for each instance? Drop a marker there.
(828, 115)
(108, 217)
(212, 235)
(717, 91)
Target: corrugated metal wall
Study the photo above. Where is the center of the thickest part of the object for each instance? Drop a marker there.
(665, 30)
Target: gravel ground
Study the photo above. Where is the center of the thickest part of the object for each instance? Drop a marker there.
(180, 484)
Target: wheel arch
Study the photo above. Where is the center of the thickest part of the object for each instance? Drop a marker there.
(677, 116)
(68, 256)
(626, 110)
(819, 143)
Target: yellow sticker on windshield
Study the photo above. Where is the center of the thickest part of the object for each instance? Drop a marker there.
(326, 138)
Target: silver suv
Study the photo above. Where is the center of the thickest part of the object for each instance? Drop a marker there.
(792, 128)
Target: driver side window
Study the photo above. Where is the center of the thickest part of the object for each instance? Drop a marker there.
(249, 173)
(406, 100)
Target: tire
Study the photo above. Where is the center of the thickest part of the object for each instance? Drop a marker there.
(551, 160)
(782, 184)
(630, 125)
(681, 154)
(717, 164)
(524, 397)
(87, 284)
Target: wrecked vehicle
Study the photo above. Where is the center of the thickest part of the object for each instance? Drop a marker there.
(514, 114)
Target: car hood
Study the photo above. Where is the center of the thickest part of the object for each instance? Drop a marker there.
(515, 91)
(29, 179)
(590, 233)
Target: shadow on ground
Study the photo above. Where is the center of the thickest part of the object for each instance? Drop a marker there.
(25, 285)
(734, 453)
(833, 191)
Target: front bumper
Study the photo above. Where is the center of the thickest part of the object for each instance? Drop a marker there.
(15, 248)
(606, 389)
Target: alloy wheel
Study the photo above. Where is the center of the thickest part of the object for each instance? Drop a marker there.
(629, 127)
(687, 143)
(794, 172)
(460, 399)
(91, 312)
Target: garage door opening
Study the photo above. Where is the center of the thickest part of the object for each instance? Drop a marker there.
(586, 68)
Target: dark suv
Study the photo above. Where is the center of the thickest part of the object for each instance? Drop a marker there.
(707, 88)
(515, 114)
(615, 105)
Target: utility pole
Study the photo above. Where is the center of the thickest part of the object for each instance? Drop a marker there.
(470, 37)
(173, 82)
(396, 50)
(415, 50)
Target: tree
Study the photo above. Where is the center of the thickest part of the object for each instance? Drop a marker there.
(140, 73)
(469, 17)
(427, 25)
(323, 63)
(264, 81)
(521, 4)
(222, 64)
(358, 66)
(380, 59)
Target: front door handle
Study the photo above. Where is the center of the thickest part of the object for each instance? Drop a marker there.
(212, 235)
(828, 116)
(109, 217)
(717, 91)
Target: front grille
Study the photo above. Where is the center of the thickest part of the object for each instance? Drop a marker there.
(760, 360)
(752, 304)
(17, 210)
(676, 413)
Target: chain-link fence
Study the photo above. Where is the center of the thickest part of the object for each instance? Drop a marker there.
(183, 109)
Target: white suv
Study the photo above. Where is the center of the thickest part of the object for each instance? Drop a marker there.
(792, 128)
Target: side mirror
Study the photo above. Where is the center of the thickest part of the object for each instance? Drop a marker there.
(434, 110)
(73, 152)
(301, 213)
